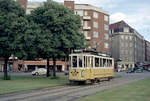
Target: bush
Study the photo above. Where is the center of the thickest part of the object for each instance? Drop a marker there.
(8, 77)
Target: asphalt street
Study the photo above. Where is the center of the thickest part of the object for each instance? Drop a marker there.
(26, 73)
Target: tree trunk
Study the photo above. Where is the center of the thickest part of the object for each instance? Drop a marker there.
(5, 67)
(54, 67)
(47, 74)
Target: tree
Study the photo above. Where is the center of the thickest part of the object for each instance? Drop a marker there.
(10, 12)
(60, 31)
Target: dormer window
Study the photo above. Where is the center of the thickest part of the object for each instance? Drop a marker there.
(126, 29)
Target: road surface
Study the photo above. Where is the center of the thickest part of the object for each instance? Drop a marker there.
(72, 93)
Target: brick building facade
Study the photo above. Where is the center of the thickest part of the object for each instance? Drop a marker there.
(95, 25)
(23, 2)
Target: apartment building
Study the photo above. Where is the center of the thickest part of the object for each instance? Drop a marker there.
(127, 45)
(95, 25)
(147, 51)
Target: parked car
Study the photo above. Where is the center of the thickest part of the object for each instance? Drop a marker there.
(148, 69)
(66, 72)
(139, 70)
(40, 71)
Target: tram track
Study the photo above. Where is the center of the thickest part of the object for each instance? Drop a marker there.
(52, 92)
(71, 93)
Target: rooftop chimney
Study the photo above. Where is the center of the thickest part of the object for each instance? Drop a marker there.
(23, 3)
(69, 4)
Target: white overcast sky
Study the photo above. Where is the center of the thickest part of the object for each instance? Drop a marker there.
(135, 12)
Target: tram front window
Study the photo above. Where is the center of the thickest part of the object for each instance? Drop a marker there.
(74, 61)
(110, 63)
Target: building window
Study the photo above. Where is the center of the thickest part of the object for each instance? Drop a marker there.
(82, 23)
(106, 27)
(85, 13)
(79, 12)
(126, 29)
(126, 37)
(126, 44)
(105, 45)
(126, 52)
(130, 37)
(106, 36)
(95, 34)
(86, 23)
(122, 52)
(95, 24)
(122, 37)
(86, 35)
(95, 14)
(106, 18)
(131, 53)
(130, 44)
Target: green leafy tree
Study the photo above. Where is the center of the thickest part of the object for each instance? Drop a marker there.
(60, 31)
(10, 12)
(27, 37)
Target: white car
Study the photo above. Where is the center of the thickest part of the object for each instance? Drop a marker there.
(40, 71)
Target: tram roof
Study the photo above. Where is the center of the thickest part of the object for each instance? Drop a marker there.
(90, 52)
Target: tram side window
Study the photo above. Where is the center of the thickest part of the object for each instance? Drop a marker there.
(80, 61)
(96, 62)
(104, 63)
(74, 60)
(85, 61)
(90, 61)
(101, 63)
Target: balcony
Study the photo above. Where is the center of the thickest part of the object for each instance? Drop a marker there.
(86, 27)
(88, 38)
(86, 17)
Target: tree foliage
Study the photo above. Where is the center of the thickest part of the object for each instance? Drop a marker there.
(10, 12)
(60, 30)
(17, 35)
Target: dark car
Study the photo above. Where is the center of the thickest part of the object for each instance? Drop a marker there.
(139, 70)
(66, 72)
(148, 69)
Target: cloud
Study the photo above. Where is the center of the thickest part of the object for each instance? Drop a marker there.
(117, 17)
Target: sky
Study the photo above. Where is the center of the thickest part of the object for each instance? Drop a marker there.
(136, 13)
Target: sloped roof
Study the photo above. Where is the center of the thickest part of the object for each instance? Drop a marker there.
(119, 24)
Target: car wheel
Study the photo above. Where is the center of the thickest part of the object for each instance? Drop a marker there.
(33, 74)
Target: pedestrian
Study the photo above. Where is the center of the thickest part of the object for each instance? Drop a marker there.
(127, 69)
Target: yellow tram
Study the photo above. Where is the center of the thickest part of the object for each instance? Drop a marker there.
(90, 67)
